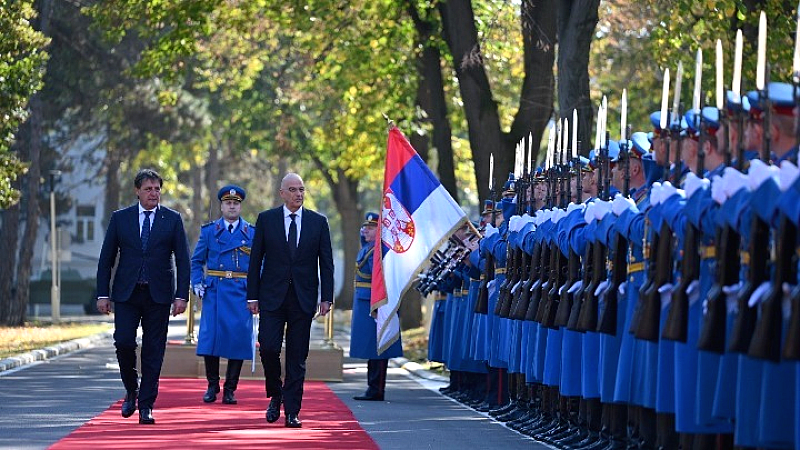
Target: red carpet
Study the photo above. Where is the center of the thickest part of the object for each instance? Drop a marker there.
(184, 421)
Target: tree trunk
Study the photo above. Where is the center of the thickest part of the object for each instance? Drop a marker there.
(19, 305)
(431, 98)
(345, 195)
(577, 20)
(9, 239)
(112, 195)
(212, 180)
(197, 206)
(483, 121)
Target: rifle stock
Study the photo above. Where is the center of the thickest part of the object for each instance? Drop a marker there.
(536, 293)
(545, 288)
(766, 342)
(512, 276)
(650, 320)
(650, 256)
(525, 290)
(676, 327)
(504, 288)
(578, 296)
(554, 295)
(791, 350)
(482, 305)
(587, 319)
(607, 323)
(565, 305)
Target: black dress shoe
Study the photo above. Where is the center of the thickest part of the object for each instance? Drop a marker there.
(292, 421)
(373, 398)
(146, 416)
(129, 404)
(227, 397)
(211, 393)
(274, 410)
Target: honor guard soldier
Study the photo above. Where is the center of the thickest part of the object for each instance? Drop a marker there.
(363, 337)
(225, 324)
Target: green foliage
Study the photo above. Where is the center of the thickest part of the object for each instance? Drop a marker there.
(636, 41)
(21, 72)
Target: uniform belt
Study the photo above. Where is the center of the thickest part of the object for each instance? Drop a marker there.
(465, 292)
(476, 279)
(708, 251)
(635, 267)
(440, 297)
(226, 274)
(745, 257)
(363, 284)
(500, 271)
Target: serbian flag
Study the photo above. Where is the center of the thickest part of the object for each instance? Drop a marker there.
(417, 216)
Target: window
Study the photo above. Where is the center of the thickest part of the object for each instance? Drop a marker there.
(84, 225)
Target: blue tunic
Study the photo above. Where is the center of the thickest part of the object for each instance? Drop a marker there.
(225, 323)
(363, 328)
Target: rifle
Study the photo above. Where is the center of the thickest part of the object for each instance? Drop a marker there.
(766, 342)
(542, 268)
(558, 265)
(573, 269)
(607, 323)
(676, 327)
(587, 317)
(791, 350)
(532, 269)
(522, 260)
(482, 304)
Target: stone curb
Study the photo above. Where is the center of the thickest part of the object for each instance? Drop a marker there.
(45, 353)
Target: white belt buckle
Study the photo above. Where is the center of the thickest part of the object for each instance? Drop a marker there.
(228, 274)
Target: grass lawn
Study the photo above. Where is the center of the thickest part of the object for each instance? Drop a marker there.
(33, 335)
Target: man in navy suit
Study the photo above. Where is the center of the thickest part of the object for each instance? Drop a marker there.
(291, 268)
(147, 237)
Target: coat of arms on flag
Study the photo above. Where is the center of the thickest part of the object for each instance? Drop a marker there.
(417, 216)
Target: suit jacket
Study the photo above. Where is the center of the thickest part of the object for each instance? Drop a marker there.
(167, 241)
(272, 268)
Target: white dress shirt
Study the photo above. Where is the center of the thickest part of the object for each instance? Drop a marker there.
(141, 217)
(288, 221)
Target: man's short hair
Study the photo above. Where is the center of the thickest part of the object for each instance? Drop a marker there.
(147, 174)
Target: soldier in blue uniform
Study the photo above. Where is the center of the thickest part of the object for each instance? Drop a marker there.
(225, 324)
(363, 331)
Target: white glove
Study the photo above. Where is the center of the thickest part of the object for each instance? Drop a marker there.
(602, 208)
(514, 223)
(734, 181)
(732, 297)
(789, 173)
(667, 191)
(666, 295)
(693, 292)
(558, 214)
(786, 304)
(655, 193)
(694, 183)
(492, 287)
(622, 287)
(601, 288)
(718, 189)
(490, 230)
(575, 287)
(199, 290)
(622, 204)
(760, 172)
(760, 294)
(588, 213)
(573, 206)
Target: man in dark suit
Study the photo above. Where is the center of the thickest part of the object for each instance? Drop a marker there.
(147, 237)
(291, 267)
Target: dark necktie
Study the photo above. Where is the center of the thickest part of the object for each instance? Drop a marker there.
(230, 228)
(145, 237)
(292, 234)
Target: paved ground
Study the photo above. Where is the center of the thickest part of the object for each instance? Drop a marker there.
(44, 401)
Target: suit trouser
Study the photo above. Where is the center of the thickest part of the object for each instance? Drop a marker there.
(376, 377)
(154, 318)
(270, 335)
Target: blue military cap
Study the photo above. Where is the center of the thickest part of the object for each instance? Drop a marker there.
(488, 207)
(709, 116)
(641, 144)
(371, 218)
(539, 172)
(655, 119)
(592, 161)
(734, 105)
(613, 150)
(231, 192)
(781, 95)
(509, 186)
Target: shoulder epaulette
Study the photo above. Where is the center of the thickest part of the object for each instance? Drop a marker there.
(207, 224)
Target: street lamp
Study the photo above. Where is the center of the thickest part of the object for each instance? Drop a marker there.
(55, 294)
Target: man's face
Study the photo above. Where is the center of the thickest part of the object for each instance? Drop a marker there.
(369, 232)
(292, 192)
(588, 183)
(231, 209)
(689, 153)
(752, 135)
(149, 193)
(618, 175)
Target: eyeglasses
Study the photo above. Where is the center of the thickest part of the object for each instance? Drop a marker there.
(295, 190)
